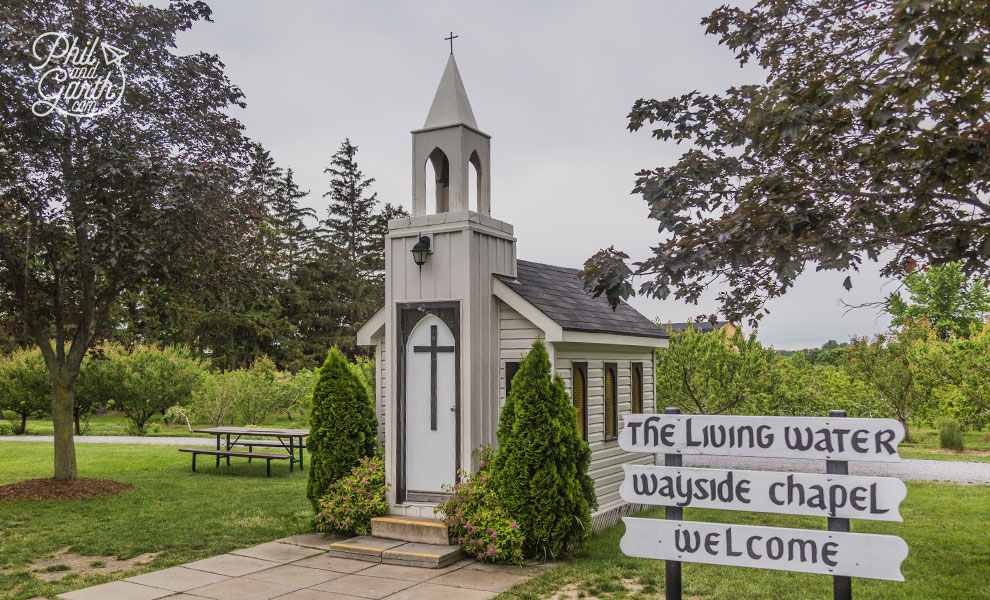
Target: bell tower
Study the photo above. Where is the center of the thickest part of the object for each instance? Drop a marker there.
(438, 352)
(447, 147)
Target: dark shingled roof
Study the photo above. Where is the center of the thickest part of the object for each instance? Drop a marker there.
(560, 295)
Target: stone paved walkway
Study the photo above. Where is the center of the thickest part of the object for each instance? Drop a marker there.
(299, 568)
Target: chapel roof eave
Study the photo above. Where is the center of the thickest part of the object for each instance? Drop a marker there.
(372, 330)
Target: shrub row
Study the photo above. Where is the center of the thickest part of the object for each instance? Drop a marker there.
(145, 381)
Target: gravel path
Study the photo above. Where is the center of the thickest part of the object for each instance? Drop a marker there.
(119, 439)
(908, 469)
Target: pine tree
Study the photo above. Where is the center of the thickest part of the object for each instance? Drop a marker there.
(356, 237)
(296, 240)
(540, 470)
(313, 306)
(352, 220)
(342, 423)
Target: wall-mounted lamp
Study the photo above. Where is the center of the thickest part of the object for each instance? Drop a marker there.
(421, 251)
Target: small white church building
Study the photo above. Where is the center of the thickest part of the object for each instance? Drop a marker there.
(461, 310)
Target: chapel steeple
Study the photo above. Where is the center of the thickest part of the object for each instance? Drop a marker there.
(447, 147)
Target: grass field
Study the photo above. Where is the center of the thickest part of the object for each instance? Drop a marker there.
(187, 516)
(184, 515)
(117, 424)
(945, 525)
(977, 443)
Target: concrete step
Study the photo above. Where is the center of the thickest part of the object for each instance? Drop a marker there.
(394, 552)
(363, 547)
(430, 556)
(411, 529)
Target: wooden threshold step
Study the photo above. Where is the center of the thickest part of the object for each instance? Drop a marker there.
(410, 529)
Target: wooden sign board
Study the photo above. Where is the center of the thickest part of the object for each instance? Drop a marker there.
(818, 495)
(782, 549)
(777, 437)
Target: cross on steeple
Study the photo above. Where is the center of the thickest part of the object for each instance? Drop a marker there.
(452, 38)
(433, 349)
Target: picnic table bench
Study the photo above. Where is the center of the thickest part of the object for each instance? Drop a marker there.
(284, 438)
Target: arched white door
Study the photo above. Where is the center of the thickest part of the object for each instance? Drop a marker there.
(430, 417)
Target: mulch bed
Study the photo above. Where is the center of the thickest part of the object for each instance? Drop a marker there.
(51, 489)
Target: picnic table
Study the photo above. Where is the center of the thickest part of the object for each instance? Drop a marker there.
(285, 439)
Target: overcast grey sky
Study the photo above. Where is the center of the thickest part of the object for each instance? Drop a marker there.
(551, 82)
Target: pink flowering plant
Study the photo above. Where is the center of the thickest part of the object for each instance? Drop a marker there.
(353, 501)
(477, 522)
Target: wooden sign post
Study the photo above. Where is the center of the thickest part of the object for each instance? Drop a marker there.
(671, 568)
(835, 495)
(841, 584)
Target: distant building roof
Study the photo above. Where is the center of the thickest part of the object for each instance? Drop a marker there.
(702, 327)
(559, 294)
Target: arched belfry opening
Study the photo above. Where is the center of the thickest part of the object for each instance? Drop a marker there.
(451, 156)
(438, 180)
(474, 183)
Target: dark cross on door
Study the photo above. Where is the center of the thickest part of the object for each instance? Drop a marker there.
(433, 349)
(452, 38)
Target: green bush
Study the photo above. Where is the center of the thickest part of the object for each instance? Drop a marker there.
(353, 501)
(25, 387)
(255, 399)
(364, 368)
(294, 392)
(477, 522)
(342, 425)
(252, 395)
(145, 380)
(212, 399)
(540, 471)
(950, 434)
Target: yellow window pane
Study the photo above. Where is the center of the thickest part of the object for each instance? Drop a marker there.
(637, 391)
(609, 403)
(578, 399)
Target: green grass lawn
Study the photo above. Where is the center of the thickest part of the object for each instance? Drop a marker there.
(945, 526)
(184, 515)
(977, 444)
(926, 439)
(118, 424)
(187, 516)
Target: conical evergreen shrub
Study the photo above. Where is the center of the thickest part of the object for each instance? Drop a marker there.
(540, 471)
(342, 425)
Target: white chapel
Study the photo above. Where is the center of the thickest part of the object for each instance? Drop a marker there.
(461, 310)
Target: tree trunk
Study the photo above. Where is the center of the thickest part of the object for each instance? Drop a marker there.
(63, 401)
(76, 419)
(907, 432)
(24, 423)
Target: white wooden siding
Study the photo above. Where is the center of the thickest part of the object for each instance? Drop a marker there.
(380, 370)
(467, 249)
(516, 336)
(606, 456)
